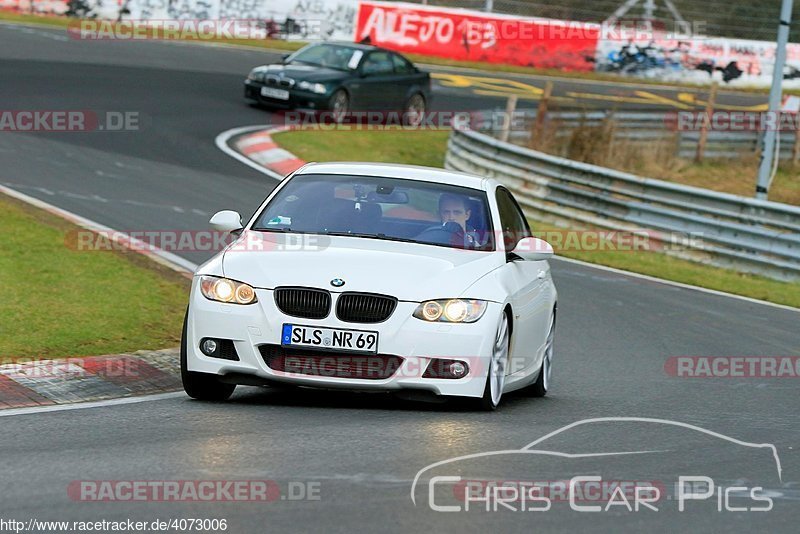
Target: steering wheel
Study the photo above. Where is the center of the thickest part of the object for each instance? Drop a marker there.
(449, 233)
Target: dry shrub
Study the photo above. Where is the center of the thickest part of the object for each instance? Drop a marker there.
(602, 144)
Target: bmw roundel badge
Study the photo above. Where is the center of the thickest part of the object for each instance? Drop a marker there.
(337, 282)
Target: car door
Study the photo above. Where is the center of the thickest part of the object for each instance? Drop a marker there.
(407, 80)
(527, 285)
(378, 84)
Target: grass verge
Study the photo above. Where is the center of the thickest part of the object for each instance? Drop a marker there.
(423, 147)
(60, 302)
(428, 148)
(727, 176)
(598, 144)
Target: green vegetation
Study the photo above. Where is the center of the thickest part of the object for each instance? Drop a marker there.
(61, 302)
(597, 144)
(10, 16)
(732, 176)
(428, 148)
(391, 145)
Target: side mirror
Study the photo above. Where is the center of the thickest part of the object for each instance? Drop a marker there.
(226, 221)
(284, 57)
(533, 249)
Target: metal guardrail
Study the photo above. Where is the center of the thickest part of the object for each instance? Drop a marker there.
(727, 230)
(646, 127)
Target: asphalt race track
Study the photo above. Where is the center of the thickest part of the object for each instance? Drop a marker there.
(363, 451)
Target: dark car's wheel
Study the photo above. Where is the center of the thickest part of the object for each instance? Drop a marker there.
(201, 386)
(339, 105)
(414, 110)
(542, 384)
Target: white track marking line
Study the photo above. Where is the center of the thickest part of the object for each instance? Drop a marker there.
(676, 284)
(92, 404)
(168, 259)
(222, 143)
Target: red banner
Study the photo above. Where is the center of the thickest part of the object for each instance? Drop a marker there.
(470, 36)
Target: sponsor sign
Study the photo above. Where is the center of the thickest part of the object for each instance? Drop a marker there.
(473, 36)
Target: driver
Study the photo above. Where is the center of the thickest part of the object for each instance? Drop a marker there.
(455, 209)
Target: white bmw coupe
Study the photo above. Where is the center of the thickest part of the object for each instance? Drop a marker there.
(366, 276)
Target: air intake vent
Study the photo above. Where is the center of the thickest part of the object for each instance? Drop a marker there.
(228, 351)
(303, 302)
(271, 79)
(330, 364)
(365, 307)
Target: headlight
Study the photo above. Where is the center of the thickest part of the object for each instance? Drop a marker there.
(318, 88)
(451, 310)
(224, 290)
(256, 75)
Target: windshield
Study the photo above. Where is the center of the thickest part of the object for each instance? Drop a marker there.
(326, 55)
(381, 208)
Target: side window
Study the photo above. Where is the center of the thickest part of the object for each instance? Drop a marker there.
(401, 66)
(378, 63)
(513, 222)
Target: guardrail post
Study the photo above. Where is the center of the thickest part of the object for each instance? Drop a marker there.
(511, 107)
(701, 143)
(541, 114)
(796, 148)
(609, 132)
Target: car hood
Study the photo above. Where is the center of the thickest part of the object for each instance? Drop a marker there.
(406, 271)
(308, 73)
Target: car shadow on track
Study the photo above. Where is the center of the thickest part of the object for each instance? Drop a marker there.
(349, 400)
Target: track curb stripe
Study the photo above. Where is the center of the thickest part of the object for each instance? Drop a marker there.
(46, 382)
(254, 146)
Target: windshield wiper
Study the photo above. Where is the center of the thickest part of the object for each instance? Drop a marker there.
(373, 236)
(281, 230)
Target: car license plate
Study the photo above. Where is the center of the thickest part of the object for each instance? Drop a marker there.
(329, 338)
(280, 94)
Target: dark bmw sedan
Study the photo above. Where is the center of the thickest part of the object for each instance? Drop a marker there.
(341, 77)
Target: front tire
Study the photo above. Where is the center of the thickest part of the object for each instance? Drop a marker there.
(496, 374)
(414, 110)
(339, 105)
(201, 386)
(542, 384)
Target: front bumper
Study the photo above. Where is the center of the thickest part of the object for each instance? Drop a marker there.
(415, 341)
(297, 99)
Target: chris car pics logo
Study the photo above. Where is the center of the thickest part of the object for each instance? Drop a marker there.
(445, 486)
